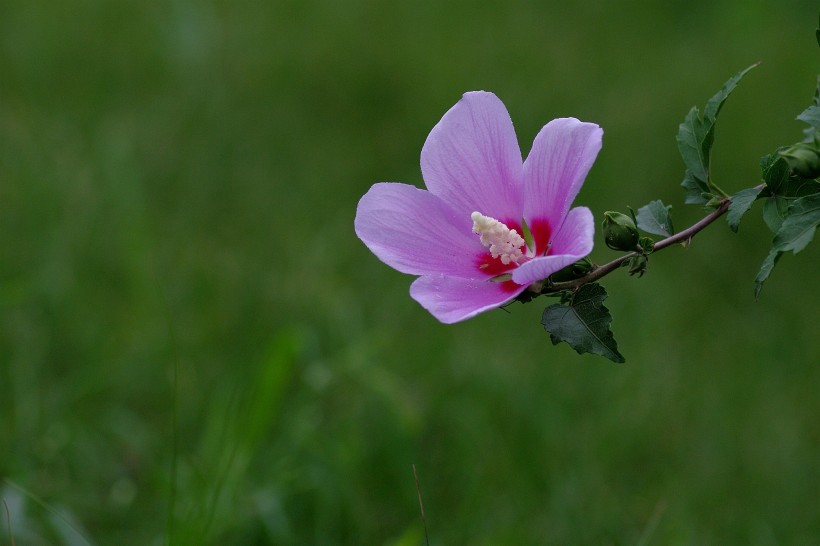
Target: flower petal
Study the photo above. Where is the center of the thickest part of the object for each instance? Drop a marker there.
(415, 232)
(471, 158)
(453, 300)
(577, 234)
(574, 241)
(561, 156)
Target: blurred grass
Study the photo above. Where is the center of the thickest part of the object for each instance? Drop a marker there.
(177, 187)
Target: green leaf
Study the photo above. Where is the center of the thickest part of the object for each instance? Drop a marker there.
(695, 138)
(742, 201)
(817, 35)
(774, 210)
(798, 228)
(817, 91)
(794, 234)
(775, 171)
(655, 218)
(691, 137)
(696, 191)
(583, 323)
(637, 264)
(782, 189)
(776, 206)
(713, 106)
(811, 115)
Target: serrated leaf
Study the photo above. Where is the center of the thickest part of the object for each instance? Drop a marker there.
(655, 218)
(741, 202)
(583, 323)
(695, 138)
(795, 233)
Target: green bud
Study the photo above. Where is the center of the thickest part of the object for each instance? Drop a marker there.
(620, 232)
(803, 159)
(572, 272)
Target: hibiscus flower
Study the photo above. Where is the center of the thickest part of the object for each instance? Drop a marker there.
(488, 225)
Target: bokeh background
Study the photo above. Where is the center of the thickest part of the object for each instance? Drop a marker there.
(196, 349)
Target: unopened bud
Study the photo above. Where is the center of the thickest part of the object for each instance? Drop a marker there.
(803, 159)
(572, 272)
(620, 232)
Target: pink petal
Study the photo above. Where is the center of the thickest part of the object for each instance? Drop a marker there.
(471, 158)
(415, 232)
(573, 242)
(577, 235)
(561, 156)
(452, 300)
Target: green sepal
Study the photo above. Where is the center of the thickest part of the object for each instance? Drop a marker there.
(572, 272)
(647, 245)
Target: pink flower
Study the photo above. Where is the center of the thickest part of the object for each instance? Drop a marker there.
(464, 235)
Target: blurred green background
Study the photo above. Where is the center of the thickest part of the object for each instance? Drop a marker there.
(178, 182)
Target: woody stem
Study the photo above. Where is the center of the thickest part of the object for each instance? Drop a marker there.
(603, 270)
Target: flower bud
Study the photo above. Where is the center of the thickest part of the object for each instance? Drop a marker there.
(803, 159)
(620, 232)
(572, 272)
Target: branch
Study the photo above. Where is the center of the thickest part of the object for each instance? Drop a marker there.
(603, 270)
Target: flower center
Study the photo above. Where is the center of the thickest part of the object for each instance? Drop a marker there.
(503, 243)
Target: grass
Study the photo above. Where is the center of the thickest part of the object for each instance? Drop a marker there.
(180, 285)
